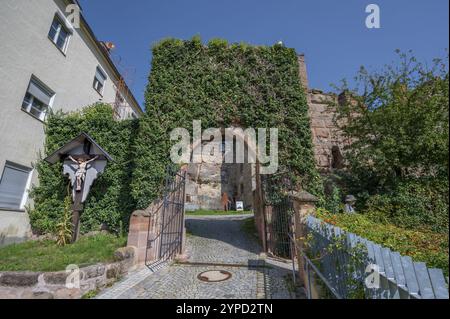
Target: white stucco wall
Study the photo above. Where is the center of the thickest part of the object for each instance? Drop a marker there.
(26, 50)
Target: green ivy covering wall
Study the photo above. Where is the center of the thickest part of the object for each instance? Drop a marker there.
(222, 85)
(109, 201)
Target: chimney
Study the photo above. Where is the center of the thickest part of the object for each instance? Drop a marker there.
(302, 72)
(108, 46)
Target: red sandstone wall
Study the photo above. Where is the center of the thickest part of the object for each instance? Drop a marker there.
(325, 134)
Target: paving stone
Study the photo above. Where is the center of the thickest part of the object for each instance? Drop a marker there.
(211, 241)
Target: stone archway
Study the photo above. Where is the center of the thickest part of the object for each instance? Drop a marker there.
(206, 181)
(204, 185)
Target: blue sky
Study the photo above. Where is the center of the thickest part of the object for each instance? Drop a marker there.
(332, 34)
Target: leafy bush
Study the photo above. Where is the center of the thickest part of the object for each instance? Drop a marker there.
(109, 201)
(333, 197)
(64, 228)
(426, 246)
(413, 204)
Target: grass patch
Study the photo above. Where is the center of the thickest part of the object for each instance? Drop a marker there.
(91, 294)
(189, 232)
(46, 255)
(422, 245)
(205, 212)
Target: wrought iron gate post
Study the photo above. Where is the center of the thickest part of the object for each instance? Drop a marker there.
(304, 205)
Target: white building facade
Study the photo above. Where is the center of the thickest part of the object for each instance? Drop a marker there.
(47, 61)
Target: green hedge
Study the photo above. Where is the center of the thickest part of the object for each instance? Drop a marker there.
(222, 85)
(109, 201)
(413, 204)
(424, 245)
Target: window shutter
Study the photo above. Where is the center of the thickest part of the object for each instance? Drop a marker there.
(64, 22)
(39, 92)
(101, 77)
(12, 187)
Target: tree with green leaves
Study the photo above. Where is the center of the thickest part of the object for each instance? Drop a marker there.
(397, 120)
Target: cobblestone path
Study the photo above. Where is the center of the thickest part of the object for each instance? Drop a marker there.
(213, 243)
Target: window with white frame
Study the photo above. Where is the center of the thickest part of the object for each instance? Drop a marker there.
(99, 80)
(38, 99)
(59, 34)
(14, 184)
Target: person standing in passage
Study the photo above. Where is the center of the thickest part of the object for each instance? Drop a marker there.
(225, 201)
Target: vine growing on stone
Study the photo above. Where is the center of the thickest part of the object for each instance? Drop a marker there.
(223, 85)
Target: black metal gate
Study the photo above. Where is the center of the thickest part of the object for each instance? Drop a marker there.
(166, 226)
(279, 215)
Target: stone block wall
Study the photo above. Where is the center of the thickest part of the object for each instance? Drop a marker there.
(52, 285)
(144, 235)
(204, 186)
(206, 182)
(139, 231)
(328, 141)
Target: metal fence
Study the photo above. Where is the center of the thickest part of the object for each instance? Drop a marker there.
(349, 266)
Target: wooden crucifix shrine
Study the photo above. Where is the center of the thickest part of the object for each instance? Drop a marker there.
(83, 160)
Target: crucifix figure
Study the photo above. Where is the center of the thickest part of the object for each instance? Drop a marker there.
(83, 160)
(80, 174)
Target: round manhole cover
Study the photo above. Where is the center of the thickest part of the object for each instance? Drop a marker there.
(214, 276)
